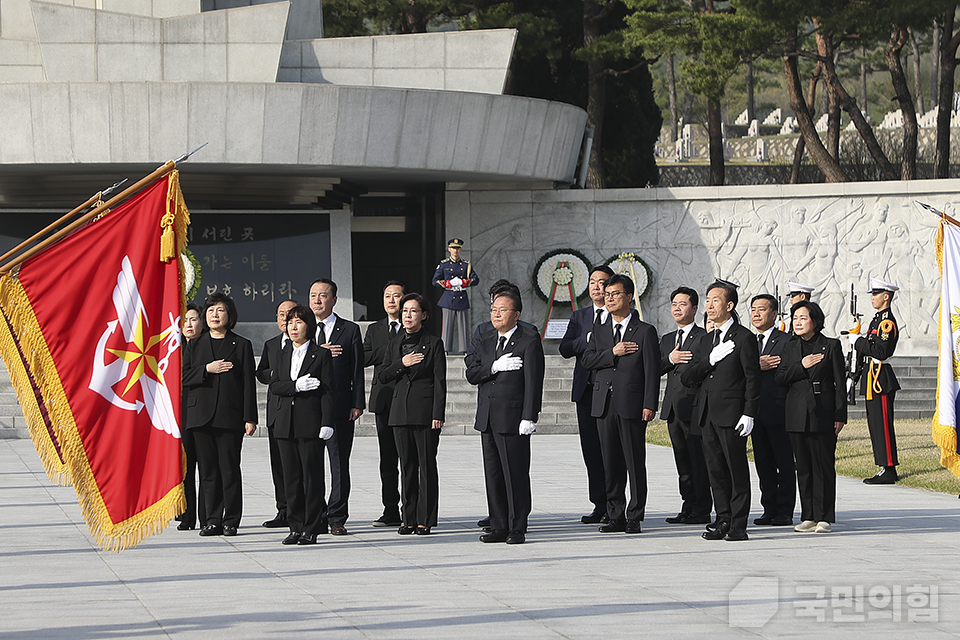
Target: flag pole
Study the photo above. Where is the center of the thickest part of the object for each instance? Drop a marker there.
(942, 215)
(159, 172)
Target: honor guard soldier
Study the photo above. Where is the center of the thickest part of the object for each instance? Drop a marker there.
(454, 275)
(798, 292)
(879, 384)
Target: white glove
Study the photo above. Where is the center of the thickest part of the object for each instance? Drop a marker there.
(307, 383)
(721, 351)
(745, 426)
(326, 433)
(849, 384)
(527, 427)
(507, 362)
(853, 337)
(456, 282)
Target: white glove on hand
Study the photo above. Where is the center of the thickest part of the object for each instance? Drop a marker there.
(745, 426)
(721, 351)
(507, 362)
(527, 427)
(853, 337)
(456, 282)
(326, 433)
(307, 383)
(849, 384)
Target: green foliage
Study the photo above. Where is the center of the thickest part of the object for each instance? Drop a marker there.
(374, 17)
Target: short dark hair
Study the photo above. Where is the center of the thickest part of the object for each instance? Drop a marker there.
(421, 300)
(622, 279)
(500, 286)
(687, 291)
(305, 314)
(514, 298)
(769, 298)
(816, 313)
(283, 302)
(396, 283)
(227, 302)
(729, 293)
(203, 321)
(602, 268)
(333, 285)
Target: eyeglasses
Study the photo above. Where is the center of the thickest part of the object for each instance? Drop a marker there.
(613, 295)
(499, 311)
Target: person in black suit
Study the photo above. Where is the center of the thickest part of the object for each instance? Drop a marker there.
(192, 327)
(221, 407)
(342, 338)
(623, 356)
(772, 454)
(375, 344)
(812, 366)
(268, 362)
(302, 382)
(726, 365)
(416, 366)
(509, 372)
(574, 343)
(678, 408)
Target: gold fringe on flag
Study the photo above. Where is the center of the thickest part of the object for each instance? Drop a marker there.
(944, 436)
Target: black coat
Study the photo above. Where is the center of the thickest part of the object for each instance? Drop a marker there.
(677, 399)
(420, 391)
(574, 343)
(347, 369)
(879, 343)
(805, 406)
(772, 394)
(268, 362)
(300, 414)
(507, 397)
(231, 396)
(374, 353)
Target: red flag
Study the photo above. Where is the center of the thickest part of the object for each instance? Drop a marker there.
(98, 317)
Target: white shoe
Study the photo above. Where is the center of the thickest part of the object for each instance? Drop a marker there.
(823, 527)
(806, 526)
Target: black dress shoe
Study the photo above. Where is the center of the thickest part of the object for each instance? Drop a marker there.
(279, 522)
(886, 475)
(292, 538)
(388, 520)
(337, 529)
(423, 531)
(516, 537)
(735, 535)
(697, 518)
(718, 531)
(229, 530)
(497, 535)
(633, 526)
(781, 521)
(483, 523)
(763, 520)
(595, 517)
(678, 519)
(211, 530)
(713, 525)
(406, 531)
(183, 526)
(614, 526)
(307, 538)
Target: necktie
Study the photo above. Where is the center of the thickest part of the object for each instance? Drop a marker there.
(760, 342)
(716, 337)
(679, 339)
(617, 335)
(501, 345)
(393, 328)
(596, 320)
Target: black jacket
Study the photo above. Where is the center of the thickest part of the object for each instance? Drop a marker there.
(817, 397)
(772, 395)
(300, 414)
(677, 399)
(228, 399)
(420, 391)
(347, 369)
(268, 362)
(879, 343)
(374, 353)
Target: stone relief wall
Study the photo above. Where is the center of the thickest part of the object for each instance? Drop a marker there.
(759, 237)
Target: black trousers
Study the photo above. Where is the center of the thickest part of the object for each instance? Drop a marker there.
(773, 458)
(691, 469)
(339, 448)
(276, 470)
(195, 506)
(303, 483)
(506, 470)
(623, 442)
(218, 458)
(880, 423)
(816, 474)
(420, 481)
(725, 453)
(389, 464)
(592, 456)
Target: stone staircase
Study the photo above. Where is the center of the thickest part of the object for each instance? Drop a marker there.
(917, 375)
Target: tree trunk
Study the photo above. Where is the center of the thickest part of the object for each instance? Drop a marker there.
(596, 95)
(715, 131)
(948, 65)
(935, 54)
(915, 46)
(801, 142)
(674, 112)
(751, 107)
(891, 53)
(833, 125)
(828, 165)
(864, 70)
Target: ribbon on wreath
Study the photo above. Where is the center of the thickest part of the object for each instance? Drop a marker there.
(562, 276)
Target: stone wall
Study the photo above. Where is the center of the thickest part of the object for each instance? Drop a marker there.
(759, 237)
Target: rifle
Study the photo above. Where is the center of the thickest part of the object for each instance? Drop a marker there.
(776, 292)
(853, 364)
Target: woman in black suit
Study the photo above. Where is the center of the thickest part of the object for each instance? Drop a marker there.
(302, 380)
(192, 327)
(812, 366)
(416, 362)
(221, 407)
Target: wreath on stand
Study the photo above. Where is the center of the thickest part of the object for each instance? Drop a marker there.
(561, 277)
(630, 264)
(191, 273)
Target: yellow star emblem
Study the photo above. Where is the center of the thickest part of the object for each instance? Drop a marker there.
(141, 356)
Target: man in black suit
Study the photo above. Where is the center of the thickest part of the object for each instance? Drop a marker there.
(268, 362)
(342, 338)
(375, 344)
(726, 365)
(678, 409)
(574, 343)
(623, 356)
(772, 453)
(509, 371)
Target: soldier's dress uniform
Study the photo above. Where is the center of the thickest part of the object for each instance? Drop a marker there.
(879, 385)
(454, 301)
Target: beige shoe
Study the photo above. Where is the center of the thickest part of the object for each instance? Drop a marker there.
(806, 526)
(824, 527)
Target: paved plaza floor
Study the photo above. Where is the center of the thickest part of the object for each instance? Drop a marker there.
(889, 570)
